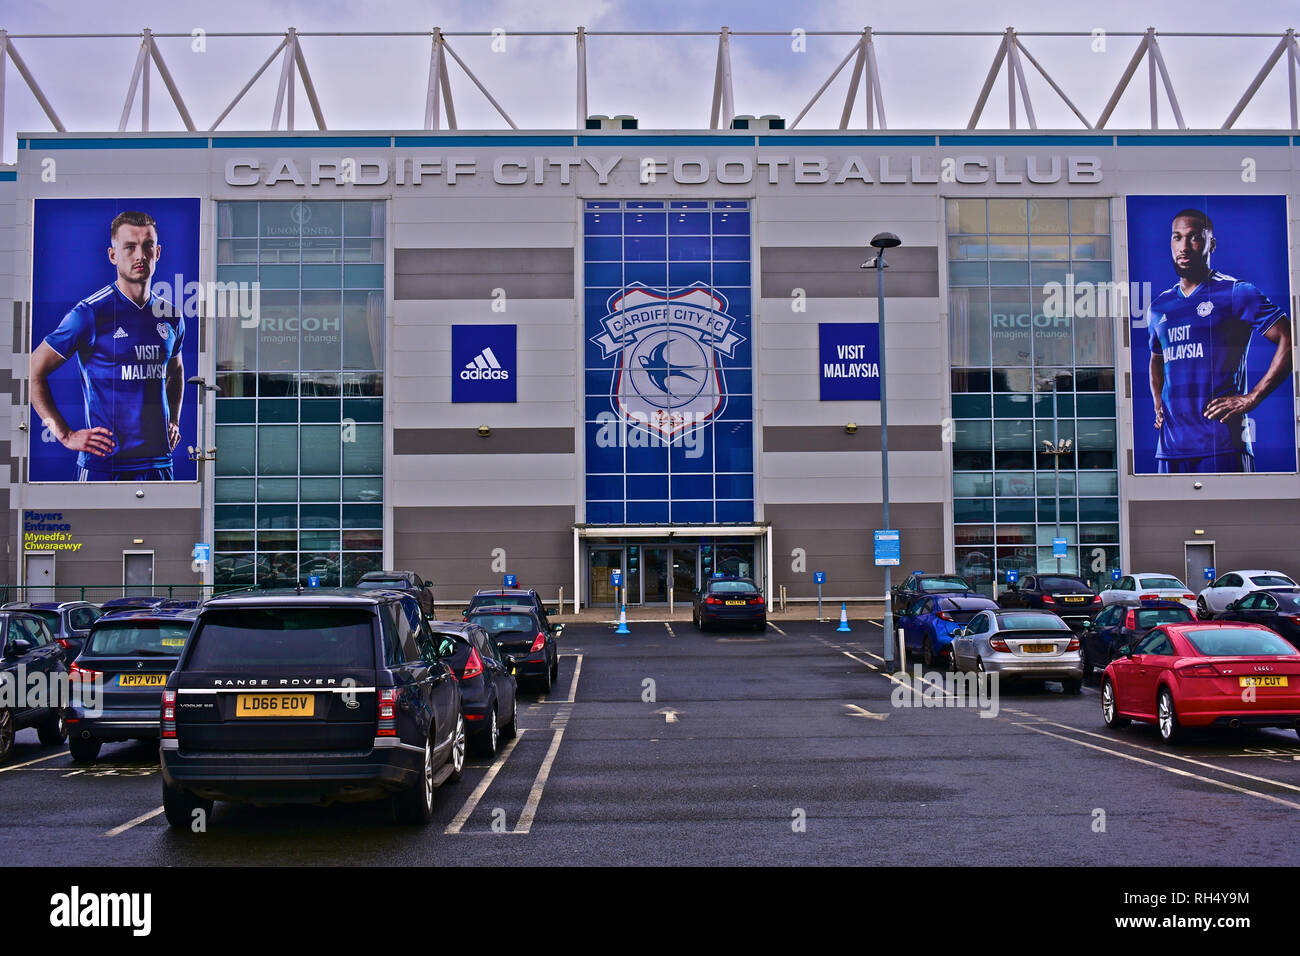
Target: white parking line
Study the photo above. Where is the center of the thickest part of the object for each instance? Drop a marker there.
(136, 822)
(670, 629)
(1174, 770)
(777, 629)
(471, 802)
(19, 766)
(573, 684)
(535, 795)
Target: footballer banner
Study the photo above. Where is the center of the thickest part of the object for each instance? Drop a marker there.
(1210, 335)
(114, 336)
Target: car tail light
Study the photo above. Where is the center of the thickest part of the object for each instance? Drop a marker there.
(387, 712)
(1048, 599)
(1189, 597)
(945, 616)
(78, 672)
(168, 714)
(1295, 618)
(1199, 670)
(473, 666)
(998, 644)
(63, 642)
(1130, 620)
(1073, 645)
(539, 642)
(1148, 597)
(756, 600)
(712, 600)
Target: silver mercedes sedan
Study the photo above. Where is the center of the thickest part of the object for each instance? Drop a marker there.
(1020, 644)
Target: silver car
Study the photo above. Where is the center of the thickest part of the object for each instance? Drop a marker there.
(1020, 643)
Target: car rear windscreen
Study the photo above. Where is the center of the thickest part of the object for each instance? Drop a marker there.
(944, 584)
(732, 587)
(1231, 642)
(1163, 615)
(129, 638)
(1062, 584)
(1272, 581)
(1031, 622)
(496, 624)
(49, 617)
(1165, 584)
(376, 584)
(1287, 602)
(284, 637)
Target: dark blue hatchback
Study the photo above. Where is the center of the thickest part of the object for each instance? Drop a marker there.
(123, 670)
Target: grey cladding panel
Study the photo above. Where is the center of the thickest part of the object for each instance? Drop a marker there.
(819, 438)
(474, 273)
(467, 441)
(835, 271)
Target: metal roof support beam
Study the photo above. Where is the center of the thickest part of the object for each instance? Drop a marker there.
(1124, 80)
(444, 84)
(724, 97)
(170, 84)
(1159, 58)
(7, 49)
(286, 81)
(308, 86)
(831, 79)
(481, 87)
(141, 64)
(432, 99)
(249, 85)
(1149, 47)
(1287, 45)
(988, 82)
(582, 79)
(873, 84)
(1013, 61)
(1052, 83)
(854, 81)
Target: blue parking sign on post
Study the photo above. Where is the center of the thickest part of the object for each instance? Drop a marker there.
(819, 577)
(1209, 574)
(1114, 574)
(511, 580)
(616, 579)
(889, 549)
(1059, 548)
(202, 552)
(1013, 576)
(313, 580)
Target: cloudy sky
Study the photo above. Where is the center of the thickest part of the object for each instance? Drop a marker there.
(378, 83)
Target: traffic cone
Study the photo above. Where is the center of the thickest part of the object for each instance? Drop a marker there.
(622, 620)
(844, 619)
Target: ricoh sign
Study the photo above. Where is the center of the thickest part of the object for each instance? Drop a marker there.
(694, 169)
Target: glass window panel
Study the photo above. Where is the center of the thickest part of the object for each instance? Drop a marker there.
(1049, 247)
(969, 534)
(365, 456)
(968, 273)
(367, 409)
(972, 484)
(1098, 533)
(319, 540)
(363, 489)
(1015, 509)
(319, 449)
(1085, 271)
(1014, 405)
(971, 406)
(277, 410)
(277, 450)
(1094, 380)
(1067, 531)
(278, 277)
(363, 276)
(319, 489)
(1099, 483)
(236, 385)
(971, 380)
(320, 384)
(279, 252)
(277, 489)
(1096, 406)
(1090, 215)
(1049, 216)
(235, 449)
(233, 570)
(278, 332)
(975, 565)
(280, 540)
(1009, 273)
(319, 516)
(1098, 509)
(1013, 435)
(968, 317)
(1010, 312)
(322, 251)
(1053, 343)
(237, 251)
(1096, 435)
(972, 436)
(1040, 273)
(277, 516)
(972, 509)
(1009, 216)
(1013, 379)
(233, 489)
(967, 215)
(363, 516)
(277, 385)
(363, 540)
(1018, 534)
(1090, 247)
(277, 570)
(323, 566)
(233, 541)
(363, 383)
(357, 563)
(1044, 427)
(1014, 484)
(321, 329)
(321, 410)
(363, 251)
(280, 219)
(233, 516)
(1009, 247)
(322, 218)
(1048, 509)
(237, 219)
(363, 329)
(968, 247)
(1094, 340)
(363, 218)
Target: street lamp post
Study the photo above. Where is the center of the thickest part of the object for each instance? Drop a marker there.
(880, 242)
(201, 455)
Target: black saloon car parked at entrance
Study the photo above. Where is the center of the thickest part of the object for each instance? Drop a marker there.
(729, 601)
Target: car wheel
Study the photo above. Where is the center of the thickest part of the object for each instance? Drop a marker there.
(511, 730)
(1202, 612)
(555, 668)
(7, 733)
(487, 743)
(84, 749)
(952, 659)
(1083, 657)
(179, 806)
(544, 682)
(1109, 710)
(927, 654)
(1072, 686)
(414, 805)
(457, 756)
(1167, 717)
(53, 730)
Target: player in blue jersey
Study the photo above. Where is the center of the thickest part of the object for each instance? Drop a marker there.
(127, 343)
(1199, 332)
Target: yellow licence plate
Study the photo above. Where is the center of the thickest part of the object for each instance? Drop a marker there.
(735, 603)
(142, 680)
(275, 705)
(1075, 600)
(1038, 648)
(1261, 682)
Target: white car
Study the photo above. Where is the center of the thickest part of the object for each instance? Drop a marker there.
(1149, 586)
(1234, 585)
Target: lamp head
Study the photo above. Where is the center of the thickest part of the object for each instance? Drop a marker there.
(885, 240)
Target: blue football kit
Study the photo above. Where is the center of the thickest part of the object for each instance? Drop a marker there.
(122, 351)
(1203, 339)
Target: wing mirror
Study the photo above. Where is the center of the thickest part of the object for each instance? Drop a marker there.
(17, 647)
(559, 629)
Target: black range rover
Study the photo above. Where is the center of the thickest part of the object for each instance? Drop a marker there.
(291, 696)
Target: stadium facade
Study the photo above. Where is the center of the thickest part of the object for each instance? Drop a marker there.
(557, 354)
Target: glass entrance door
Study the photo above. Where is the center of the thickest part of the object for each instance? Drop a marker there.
(685, 579)
(601, 562)
(656, 575)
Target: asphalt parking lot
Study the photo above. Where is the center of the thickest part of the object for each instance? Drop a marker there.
(671, 747)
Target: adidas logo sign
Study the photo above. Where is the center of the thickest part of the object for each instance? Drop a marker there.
(120, 333)
(484, 366)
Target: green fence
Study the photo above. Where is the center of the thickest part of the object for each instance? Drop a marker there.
(99, 593)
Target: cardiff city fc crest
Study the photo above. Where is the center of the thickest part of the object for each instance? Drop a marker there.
(667, 378)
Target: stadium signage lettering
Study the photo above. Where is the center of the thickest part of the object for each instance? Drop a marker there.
(47, 531)
(684, 170)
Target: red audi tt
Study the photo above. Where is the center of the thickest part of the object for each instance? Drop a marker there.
(1204, 675)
